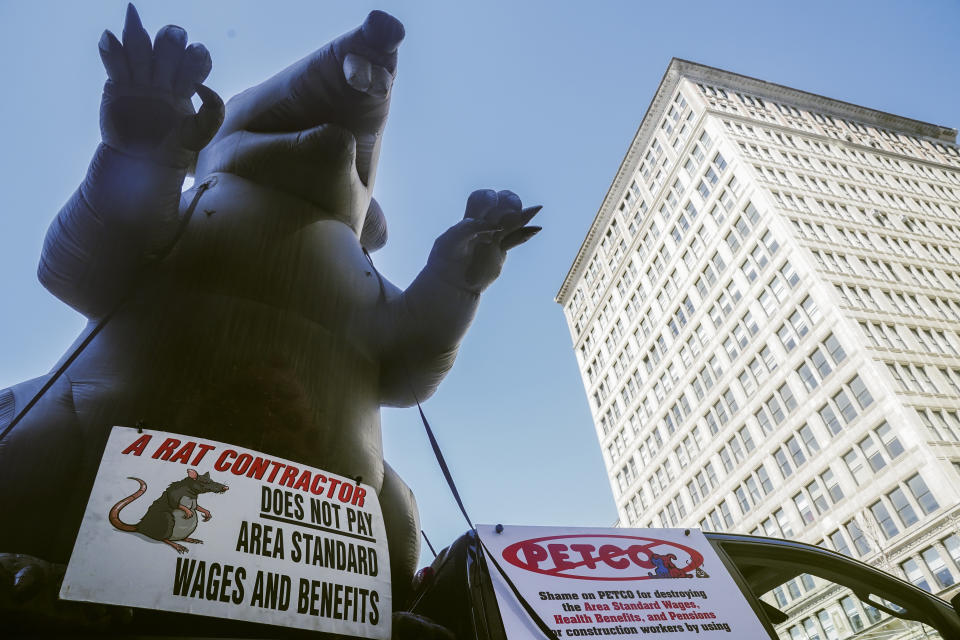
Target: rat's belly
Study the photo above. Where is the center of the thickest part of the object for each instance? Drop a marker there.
(240, 372)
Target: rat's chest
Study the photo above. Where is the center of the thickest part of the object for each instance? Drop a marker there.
(261, 245)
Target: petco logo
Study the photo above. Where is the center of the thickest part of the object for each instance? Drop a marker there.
(604, 557)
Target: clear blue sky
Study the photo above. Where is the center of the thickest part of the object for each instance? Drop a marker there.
(539, 97)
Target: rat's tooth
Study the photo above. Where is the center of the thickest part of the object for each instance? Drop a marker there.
(380, 82)
(357, 71)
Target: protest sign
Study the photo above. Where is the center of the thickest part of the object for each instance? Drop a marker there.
(632, 583)
(183, 524)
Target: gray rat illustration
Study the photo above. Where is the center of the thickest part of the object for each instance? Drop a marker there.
(172, 516)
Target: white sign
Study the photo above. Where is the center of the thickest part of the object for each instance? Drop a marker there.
(636, 583)
(183, 524)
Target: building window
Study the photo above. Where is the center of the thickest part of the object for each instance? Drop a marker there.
(938, 568)
(840, 543)
(852, 612)
(832, 484)
(783, 522)
(856, 534)
(902, 506)
(928, 504)
(911, 568)
(764, 478)
(887, 524)
(829, 629)
(803, 507)
(783, 463)
(952, 544)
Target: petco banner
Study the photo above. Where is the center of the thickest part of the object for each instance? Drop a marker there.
(617, 582)
(183, 524)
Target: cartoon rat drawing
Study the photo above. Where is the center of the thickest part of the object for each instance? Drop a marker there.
(172, 516)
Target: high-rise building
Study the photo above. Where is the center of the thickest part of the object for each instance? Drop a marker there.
(766, 316)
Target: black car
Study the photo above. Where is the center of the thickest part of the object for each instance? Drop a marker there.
(796, 590)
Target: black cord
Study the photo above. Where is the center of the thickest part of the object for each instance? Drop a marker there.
(432, 550)
(534, 616)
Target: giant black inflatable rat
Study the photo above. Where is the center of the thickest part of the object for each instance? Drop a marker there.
(245, 309)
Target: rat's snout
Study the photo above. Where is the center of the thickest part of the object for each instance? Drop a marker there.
(223, 488)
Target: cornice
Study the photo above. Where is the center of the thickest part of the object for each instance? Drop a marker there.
(813, 101)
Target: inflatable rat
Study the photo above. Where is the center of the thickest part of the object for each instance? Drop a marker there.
(245, 309)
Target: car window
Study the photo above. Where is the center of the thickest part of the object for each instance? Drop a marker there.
(809, 593)
(818, 609)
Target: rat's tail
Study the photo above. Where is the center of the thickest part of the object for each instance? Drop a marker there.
(115, 511)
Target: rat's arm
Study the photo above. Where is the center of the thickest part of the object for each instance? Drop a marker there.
(423, 326)
(127, 207)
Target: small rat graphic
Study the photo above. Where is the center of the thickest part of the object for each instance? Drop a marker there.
(173, 515)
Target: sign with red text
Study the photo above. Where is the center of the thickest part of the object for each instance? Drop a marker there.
(183, 524)
(631, 583)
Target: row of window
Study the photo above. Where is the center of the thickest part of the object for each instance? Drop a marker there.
(942, 425)
(842, 172)
(869, 299)
(856, 133)
(890, 336)
(824, 124)
(884, 270)
(862, 184)
(918, 378)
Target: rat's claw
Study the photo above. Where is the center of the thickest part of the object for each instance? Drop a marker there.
(519, 219)
(518, 237)
(138, 47)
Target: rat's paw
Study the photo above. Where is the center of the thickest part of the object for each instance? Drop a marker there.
(470, 255)
(146, 109)
(369, 54)
(410, 626)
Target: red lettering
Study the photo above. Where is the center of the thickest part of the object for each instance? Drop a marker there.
(258, 468)
(276, 467)
(289, 476)
(203, 451)
(222, 463)
(241, 464)
(166, 449)
(333, 485)
(559, 557)
(586, 552)
(635, 552)
(137, 447)
(607, 554)
(346, 491)
(304, 482)
(358, 496)
(533, 553)
(318, 481)
(184, 453)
